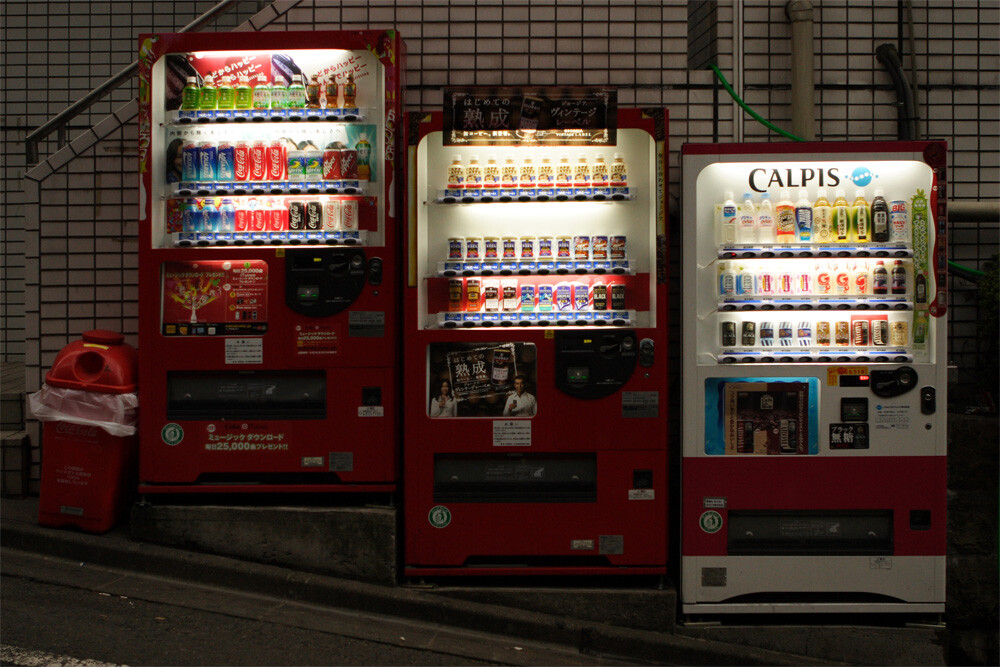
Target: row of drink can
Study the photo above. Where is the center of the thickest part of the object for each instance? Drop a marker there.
(268, 214)
(858, 331)
(511, 294)
(266, 161)
(858, 277)
(581, 247)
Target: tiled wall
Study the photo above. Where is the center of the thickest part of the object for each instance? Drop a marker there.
(54, 54)
(80, 244)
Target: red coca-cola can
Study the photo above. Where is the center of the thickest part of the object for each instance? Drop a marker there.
(349, 214)
(349, 164)
(331, 164)
(258, 215)
(276, 217)
(242, 223)
(277, 161)
(258, 161)
(241, 161)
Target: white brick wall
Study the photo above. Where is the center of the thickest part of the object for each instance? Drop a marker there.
(69, 264)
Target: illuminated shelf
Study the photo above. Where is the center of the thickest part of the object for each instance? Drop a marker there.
(350, 115)
(526, 267)
(217, 239)
(816, 303)
(814, 355)
(580, 318)
(217, 188)
(763, 251)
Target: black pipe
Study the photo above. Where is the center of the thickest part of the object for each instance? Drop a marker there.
(889, 56)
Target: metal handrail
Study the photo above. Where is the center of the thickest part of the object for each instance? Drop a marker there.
(59, 122)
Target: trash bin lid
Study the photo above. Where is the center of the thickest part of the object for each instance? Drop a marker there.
(103, 337)
(101, 362)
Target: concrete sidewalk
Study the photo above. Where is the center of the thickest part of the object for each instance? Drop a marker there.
(565, 615)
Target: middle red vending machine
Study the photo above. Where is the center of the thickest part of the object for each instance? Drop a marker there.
(268, 261)
(535, 400)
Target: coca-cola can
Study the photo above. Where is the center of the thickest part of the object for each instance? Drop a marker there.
(349, 164)
(258, 215)
(242, 223)
(331, 215)
(276, 217)
(349, 215)
(241, 161)
(331, 164)
(276, 161)
(258, 161)
(296, 215)
(314, 216)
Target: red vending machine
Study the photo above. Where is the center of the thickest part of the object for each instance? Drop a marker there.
(268, 255)
(814, 378)
(535, 401)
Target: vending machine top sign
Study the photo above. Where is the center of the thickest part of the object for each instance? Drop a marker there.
(507, 116)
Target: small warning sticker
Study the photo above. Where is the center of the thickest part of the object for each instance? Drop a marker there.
(512, 433)
(640, 404)
(366, 324)
(244, 350)
(892, 417)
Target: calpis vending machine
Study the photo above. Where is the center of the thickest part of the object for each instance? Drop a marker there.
(814, 378)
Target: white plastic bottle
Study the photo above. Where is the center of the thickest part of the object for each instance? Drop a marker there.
(619, 177)
(456, 178)
(747, 232)
(727, 279)
(765, 220)
(728, 221)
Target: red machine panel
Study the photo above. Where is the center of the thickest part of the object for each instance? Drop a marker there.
(536, 382)
(269, 261)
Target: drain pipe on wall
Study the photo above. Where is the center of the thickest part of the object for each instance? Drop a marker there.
(800, 13)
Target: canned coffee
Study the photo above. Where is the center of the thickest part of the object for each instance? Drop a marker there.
(729, 334)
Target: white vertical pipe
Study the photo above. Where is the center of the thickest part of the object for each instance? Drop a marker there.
(800, 13)
(738, 70)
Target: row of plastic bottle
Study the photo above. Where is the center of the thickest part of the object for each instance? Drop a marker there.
(586, 176)
(262, 94)
(858, 277)
(819, 221)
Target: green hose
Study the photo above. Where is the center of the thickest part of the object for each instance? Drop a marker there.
(743, 105)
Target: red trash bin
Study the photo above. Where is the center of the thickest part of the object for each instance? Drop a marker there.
(89, 408)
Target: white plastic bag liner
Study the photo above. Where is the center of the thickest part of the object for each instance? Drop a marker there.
(115, 413)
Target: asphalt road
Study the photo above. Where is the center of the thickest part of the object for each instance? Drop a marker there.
(53, 609)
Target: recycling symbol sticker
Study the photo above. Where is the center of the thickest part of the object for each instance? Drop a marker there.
(172, 434)
(710, 521)
(439, 516)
